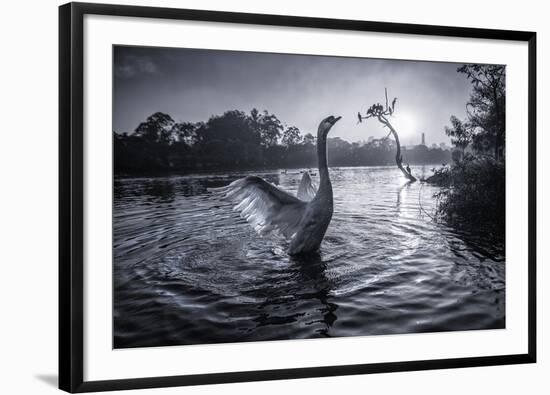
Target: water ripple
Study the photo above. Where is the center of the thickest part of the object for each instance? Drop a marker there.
(189, 270)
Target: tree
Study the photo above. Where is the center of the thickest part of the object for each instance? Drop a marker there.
(232, 125)
(486, 107)
(230, 141)
(267, 126)
(291, 136)
(309, 139)
(185, 132)
(460, 133)
(381, 113)
(473, 188)
(156, 128)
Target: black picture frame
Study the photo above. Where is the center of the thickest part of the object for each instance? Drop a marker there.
(71, 222)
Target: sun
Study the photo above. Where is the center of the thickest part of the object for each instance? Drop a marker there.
(404, 123)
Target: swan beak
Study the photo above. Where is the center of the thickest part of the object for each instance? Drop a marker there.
(336, 120)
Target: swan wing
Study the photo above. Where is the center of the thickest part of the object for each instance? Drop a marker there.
(306, 190)
(266, 207)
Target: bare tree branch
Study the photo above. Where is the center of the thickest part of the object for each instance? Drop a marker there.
(381, 113)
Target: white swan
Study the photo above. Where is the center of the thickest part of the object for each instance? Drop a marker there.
(303, 219)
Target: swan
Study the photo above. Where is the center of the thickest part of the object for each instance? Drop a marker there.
(303, 219)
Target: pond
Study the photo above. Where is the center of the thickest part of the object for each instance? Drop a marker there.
(189, 270)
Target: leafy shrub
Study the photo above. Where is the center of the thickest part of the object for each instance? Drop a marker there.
(473, 194)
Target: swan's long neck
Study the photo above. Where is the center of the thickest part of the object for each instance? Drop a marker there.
(325, 184)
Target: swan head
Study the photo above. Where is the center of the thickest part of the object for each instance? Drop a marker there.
(326, 124)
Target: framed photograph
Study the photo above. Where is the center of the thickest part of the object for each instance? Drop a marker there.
(253, 197)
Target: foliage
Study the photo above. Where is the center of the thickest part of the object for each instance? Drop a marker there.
(485, 125)
(460, 133)
(309, 139)
(237, 140)
(474, 194)
(291, 136)
(267, 126)
(156, 128)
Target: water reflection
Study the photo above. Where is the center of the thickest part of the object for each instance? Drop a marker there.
(311, 271)
(162, 191)
(400, 191)
(189, 270)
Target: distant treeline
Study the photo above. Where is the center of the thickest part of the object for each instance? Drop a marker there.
(241, 141)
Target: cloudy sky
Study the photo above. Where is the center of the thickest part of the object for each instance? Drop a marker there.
(193, 84)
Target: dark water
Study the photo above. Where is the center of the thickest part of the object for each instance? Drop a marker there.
(188, 270)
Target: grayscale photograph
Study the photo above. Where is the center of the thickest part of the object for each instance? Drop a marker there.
(271, 196)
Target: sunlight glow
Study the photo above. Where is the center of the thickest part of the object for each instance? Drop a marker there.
(405, 124)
